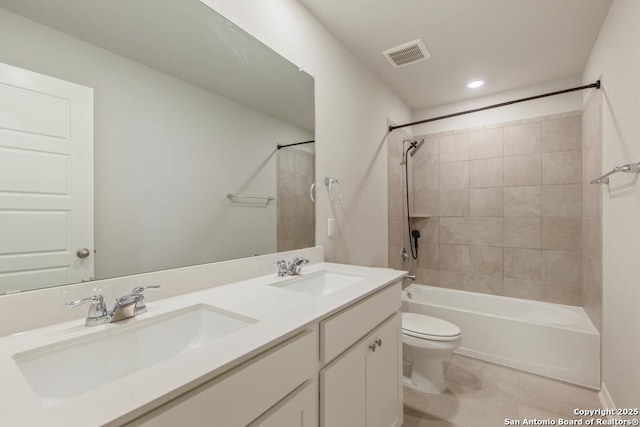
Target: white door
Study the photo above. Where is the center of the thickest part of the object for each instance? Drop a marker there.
(46, 181)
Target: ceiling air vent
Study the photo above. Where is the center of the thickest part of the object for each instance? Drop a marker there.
(407, 53)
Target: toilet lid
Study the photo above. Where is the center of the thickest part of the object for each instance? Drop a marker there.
(422, 325)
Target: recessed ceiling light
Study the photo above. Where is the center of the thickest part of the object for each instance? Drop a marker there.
(475, 84)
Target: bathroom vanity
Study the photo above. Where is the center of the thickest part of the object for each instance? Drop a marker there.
(322, 348)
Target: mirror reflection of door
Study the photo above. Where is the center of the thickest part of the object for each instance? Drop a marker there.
(46, 181)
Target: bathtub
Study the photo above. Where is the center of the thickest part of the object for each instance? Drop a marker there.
(553, 340)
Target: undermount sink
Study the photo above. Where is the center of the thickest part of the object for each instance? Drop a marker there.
(322, 283)
(66, 369)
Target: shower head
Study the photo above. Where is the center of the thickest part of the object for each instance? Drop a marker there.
(415, 147)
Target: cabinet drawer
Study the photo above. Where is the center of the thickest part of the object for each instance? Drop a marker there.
(299, 409)
(243, 394)
(343, 329)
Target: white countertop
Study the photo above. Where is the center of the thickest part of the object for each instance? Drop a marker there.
(280, 313)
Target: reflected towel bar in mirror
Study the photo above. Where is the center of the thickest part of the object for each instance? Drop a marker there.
(233, 197)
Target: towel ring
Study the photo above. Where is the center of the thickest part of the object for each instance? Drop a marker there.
(335, 190)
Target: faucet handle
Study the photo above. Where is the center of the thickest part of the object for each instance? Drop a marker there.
(141, 306)
(283, 270)
(141, 289)
(97, 309)
(296, 265)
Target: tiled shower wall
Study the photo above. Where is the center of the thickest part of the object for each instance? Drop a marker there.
(506, 209)
(296, 212)
(592, 208)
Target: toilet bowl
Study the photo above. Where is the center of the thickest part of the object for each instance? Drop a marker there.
(426, 341)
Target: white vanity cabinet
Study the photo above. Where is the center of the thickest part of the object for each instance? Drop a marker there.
(345, 370)
(270, 388)
(363, 385)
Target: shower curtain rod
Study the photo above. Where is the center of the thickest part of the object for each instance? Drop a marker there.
(502, 104)
(297, 143)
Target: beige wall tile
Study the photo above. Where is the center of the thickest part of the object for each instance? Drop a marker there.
(396, 231)
(429, 256)
(562, 267)
(561, 294)
(486, 202)
(488, 261)
(562, 233)
(426, 177)
(428, 277)
(592, 197)
(396, 202)
(523, 263)
(523, 201)
(522, 170)
(486, 231)
(394, 257)
(454, 176)
(454, 203)
(562, 134)
(429, 229)
(426, 202)
(454, 230)
(562, 200)
(484, 284)
(522, 288)
(522, 233)
(454, 148)
(592, 276)
(487, 173)
(455, 258)
(452, 280)
(522, 139)
(486, 144)
(564, 167)
(592, 231)
(593, 308)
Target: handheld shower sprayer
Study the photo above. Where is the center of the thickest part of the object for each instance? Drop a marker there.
(416, 235)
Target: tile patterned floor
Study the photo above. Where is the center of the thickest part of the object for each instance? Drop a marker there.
(481, 394)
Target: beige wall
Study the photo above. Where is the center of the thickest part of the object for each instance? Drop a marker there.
(352, 108)
(505, 203)
(615, 58)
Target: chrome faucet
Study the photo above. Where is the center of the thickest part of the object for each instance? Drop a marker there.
(125, 307)
(291, 269)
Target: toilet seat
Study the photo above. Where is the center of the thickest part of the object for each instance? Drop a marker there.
(431, 328)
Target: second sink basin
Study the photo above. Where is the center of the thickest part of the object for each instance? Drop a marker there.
(321, 283)
(63, 370)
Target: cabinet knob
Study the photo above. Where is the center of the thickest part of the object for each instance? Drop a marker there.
(379, 342)
(373, 347)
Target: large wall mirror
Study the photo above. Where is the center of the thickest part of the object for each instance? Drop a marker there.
(187, 113)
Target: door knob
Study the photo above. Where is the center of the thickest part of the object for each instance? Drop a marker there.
(372, 347)
(379, 342)
(83, 253)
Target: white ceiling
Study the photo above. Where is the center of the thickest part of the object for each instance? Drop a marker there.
(508, 43)
(188, 40)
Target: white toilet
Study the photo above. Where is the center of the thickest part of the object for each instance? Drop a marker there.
(426, 341)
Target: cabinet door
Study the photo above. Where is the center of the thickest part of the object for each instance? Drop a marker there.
(384, 375)
(343, 390)
(300, 409)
